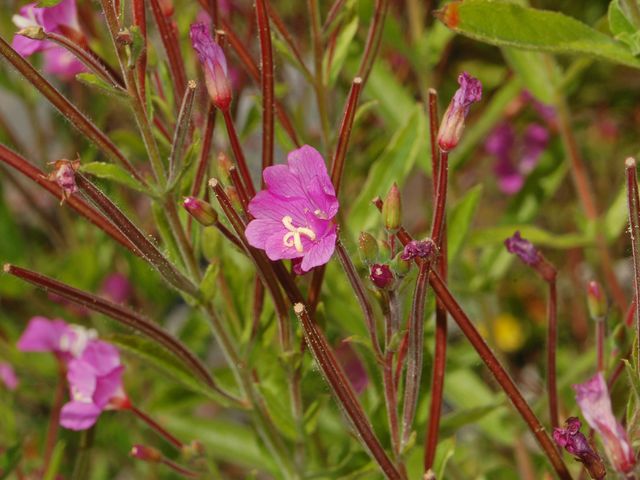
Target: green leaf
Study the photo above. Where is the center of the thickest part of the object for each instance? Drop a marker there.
(452, 422)
(510, 25)
(343, 42)
(94, 81)
(208, 284)
(632, 375)
(531, 68)
(48, 3)
(446, 449)
(164, 361)
(393, 165)
(617, 216)
(113, 172)
(55, 462)
(460, 219)
(622, 28)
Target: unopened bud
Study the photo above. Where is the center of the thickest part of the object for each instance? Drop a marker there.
(201, 211)
(384, 250)
(124, 37)
(214, 64)
(452, 125)
(596, 301)
(193, 450)
(400, 266)
(368, 248)
(392, 209)
(381, 275)
(34, 32)
(147, 454)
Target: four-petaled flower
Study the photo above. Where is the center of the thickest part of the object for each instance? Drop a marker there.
(293, 217)
(55, 336)
(62, 19)
(214, 64)
(594, 402)
(573, 440)
(452, 125)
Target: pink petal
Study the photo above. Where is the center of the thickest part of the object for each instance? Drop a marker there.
(64, 13)
(8, 376)
(42, 335)
(277, 250)
(321, 252)
(82, 380)
(102, 356)
(79, 415)
(108, 386)
(259, 230)
(267, 205)
(27, 46)
(282, 182)
(62, 63)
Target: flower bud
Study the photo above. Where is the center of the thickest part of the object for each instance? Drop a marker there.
(381, 275)
(368, 248)
(201, 211)
(524, 249)
(147, 454)
(214, 64)
(577, 445)
(596, 301)
(452, 125)
(400, 266)
(392, 209)
(34, 32)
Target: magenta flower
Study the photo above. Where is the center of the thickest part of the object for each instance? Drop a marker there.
(55, 336)
(452, 125)
(420, 249)
(574, 442)
(95, 384)
(8, 376)
(381, 275)
(534, 141)
(62, 19)
(524, 249)
(594, 402)
(214, 63)
(293, 216)
(500, 144)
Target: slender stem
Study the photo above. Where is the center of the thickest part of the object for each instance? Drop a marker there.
(415, 14)
(241, 161)
(67, 109)
(374, 38)
(181, 131)
(88, 58)
(392, 321)
(147, 249)
(288, 39)
(205, 152)
(361, 295)
(343, 391)
(186, 252)
(319, 84)
(20, 164)
(433, 135)
(634, 230)
(266, 81)
(337, 165)
(552, 339)
(83, 455)
(229, 235)
(236, 181)
(252, 69)
(332, 14)
(415, 351)
(125, 316)
(54, 418)
(156, 427)
(139, 15)
(439, 214)
(169, 37)
(600, 337)
(179, 469)
(586, 196)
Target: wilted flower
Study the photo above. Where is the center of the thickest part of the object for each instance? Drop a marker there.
(353, 366)
(64, 174)
(524, 249)
(574, 442)
(95, 384)
(62, 19)
(55, 336)
(452, 125)
(8, 376)
(594, 402)
(392, 209)
(420, 249)
(381, 275)
(293, 216)
(214, 63)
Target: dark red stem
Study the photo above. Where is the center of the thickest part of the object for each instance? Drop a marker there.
(156, 427)
(634, 230)
(140, 20)
(241, 161)
(552, 339)
(205, 152)
(374, 38)
(266, 82)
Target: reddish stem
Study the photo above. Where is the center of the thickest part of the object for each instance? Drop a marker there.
(168, 35)
(552, 338)
(634, 231)
(439, 214)
(205, 152)
(600, 336)
(67, 109)
(185, 472)
(140, 20)
(241, 161)
(236, 181)
(343, 391)
(266, 82)
(286, 36)
(337, 165)
(374, 38)
(156, 427)
(20, 164)
(332, 14)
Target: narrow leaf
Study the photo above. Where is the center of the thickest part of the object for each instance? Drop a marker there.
(113, 172)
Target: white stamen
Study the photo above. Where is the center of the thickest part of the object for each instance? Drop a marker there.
(292, 237)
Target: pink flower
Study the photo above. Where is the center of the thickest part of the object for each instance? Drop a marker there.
(95, 384)
(8, 376)
(55, 336)
(62, 19)
(381, 275)
(577, 445)
(214, 63)
(353, 366)
(293, 216)
(452, 125)
(594, 402)
(116, 287)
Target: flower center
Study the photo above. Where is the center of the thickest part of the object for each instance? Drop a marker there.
(292, 237)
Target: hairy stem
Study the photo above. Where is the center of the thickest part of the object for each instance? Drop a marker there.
(634, 231)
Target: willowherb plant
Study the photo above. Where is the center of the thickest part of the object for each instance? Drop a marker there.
(315, 370)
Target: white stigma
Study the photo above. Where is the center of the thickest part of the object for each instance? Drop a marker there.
(292, 237)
